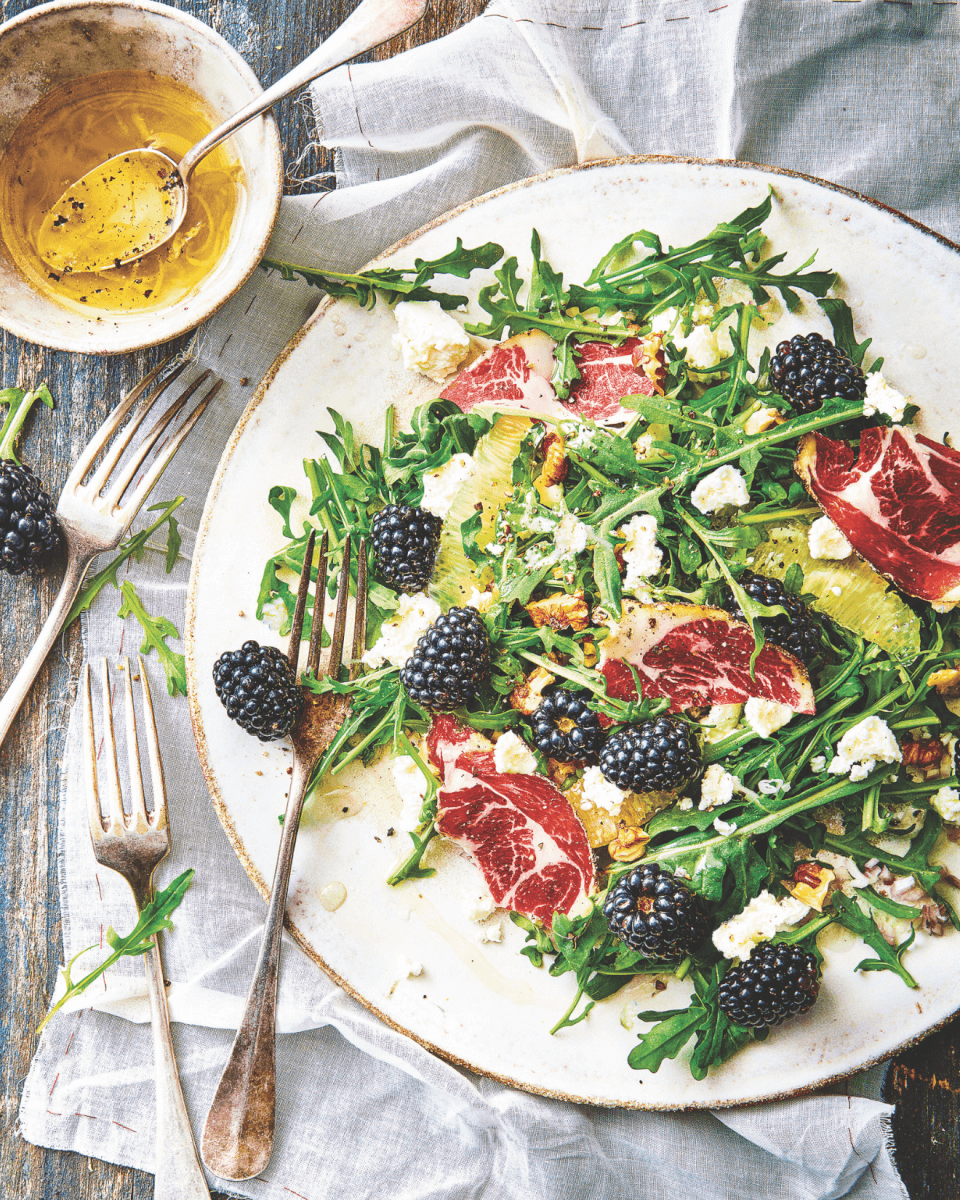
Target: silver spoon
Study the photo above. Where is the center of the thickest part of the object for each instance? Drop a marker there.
(136, 201)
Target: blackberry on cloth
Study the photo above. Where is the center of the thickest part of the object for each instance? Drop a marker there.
(565, 729)
(29, 529)
(799, 633)
(405, 543)
(810, 369)
(655, 914)
(657, 755)
(776, 982)
(259, 689)
(449, 662)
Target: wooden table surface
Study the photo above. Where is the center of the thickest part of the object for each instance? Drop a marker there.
(924, 1081)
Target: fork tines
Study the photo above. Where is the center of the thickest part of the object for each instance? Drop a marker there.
(99, 443)
(114, 823)
(340, 619)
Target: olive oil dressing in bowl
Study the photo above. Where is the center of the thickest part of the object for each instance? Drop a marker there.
(81, 80)
(76, 127)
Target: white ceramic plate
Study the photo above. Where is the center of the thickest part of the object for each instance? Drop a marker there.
(483, 1005)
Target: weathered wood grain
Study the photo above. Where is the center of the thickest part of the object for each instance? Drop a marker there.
(272, 35)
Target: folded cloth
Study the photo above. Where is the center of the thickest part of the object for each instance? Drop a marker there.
(854, 93)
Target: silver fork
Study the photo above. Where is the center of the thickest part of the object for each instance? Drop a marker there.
(133, 846)
(94, 516)
(238, 1136)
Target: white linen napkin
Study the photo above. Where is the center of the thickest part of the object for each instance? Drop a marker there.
(851, 92)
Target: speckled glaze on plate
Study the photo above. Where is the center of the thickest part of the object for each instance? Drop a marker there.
(478, 1004)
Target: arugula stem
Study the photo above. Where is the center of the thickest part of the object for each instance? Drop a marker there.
(359, 748)
(412, 864)
(783, 514)
(565, 1019)
(684, 968)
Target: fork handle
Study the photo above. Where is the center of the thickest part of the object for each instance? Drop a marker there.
(238, 1136)
(179, 1175)
(78, 562)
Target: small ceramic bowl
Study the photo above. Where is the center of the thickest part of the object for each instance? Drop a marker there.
(47, 47)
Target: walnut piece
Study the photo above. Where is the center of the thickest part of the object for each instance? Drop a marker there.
(526, 697)
(561, 612)
(629, 844)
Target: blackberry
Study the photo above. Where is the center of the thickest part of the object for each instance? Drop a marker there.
(776, 982)
(799, 633)
(565, 729)
(658, 755)
(809, 369)
(654, 913)
(405, 544)
(449, 662)
(259, 689)
(29, 529)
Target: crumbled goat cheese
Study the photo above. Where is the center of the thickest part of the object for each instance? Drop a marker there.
(411, 783)
(431, 341)
(598, 792)
(724, 828)
(726, 485)
(483, 601)
(685, 804)
(818, 763)
(440, 487)
(642, 557)
(761, 920)
(399, 636)
(482, 908)
(512, 755)
(827, 542)
(490, 933)
(947, 804)
(861, 748)
(572, 535)
(716, 787)
(765, 717)
(705, 347)
(883, 398)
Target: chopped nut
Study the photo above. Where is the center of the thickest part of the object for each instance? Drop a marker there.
(947, 681)
(555, 462)
(560, 772)
(561, 612)
(810, 884)
(830, 815)
(629, 844)
(923, 753)
(649, 360)
(590, 653)
(527, 696)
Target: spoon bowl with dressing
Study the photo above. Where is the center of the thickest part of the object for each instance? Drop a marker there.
(136, 201)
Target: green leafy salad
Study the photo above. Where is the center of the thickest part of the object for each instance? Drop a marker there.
(618, 567)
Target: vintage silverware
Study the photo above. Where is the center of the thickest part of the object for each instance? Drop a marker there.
(133, 845)
(94, 515)
(238, 1136)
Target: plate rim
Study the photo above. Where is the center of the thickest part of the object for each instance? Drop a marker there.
(190, 612)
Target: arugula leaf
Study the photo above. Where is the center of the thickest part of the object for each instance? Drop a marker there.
(841, 318)
(395, 284)
(156, 631)
(154, 918)
(888, 957)
(666, 1039)
(132, 548)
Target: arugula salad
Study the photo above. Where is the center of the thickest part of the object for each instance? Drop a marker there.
(564, 534)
